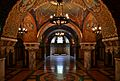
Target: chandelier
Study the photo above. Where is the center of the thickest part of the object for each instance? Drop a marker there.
(59, 18)
(22, 30)
(96, 29)
(59, 34)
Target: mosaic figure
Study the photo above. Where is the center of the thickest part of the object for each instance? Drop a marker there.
(26, 5)
(28, 22)
(93, 5)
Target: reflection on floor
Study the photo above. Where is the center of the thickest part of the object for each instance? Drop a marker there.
(60, 68)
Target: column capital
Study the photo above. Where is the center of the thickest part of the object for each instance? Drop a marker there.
(1, 59)
(88, 46)
(8, 41)
(31, 45)
(117, 59)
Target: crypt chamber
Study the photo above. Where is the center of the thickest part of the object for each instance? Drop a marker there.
(62, 34)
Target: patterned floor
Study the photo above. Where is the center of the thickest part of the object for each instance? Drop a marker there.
(75, 72)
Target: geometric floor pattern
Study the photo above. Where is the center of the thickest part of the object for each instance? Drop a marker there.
(77, 73)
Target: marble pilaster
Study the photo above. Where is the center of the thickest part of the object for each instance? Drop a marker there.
(32, 59)
(87, 52)
(13, 52)
(2, 69)
(87, 59)
(93, 59)
(117, 69)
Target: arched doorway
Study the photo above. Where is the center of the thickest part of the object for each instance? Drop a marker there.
(60, 47)
(66, 44)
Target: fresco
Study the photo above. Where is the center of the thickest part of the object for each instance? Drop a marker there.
(23, 7)
(26, 5)
(90, 21)
(12, 23)
(93, 5)
(40, 17)
(88, 34)
(106, 21)
(30, 25)
(79, 18)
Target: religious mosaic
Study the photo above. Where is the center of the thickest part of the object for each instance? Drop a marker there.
(93, 5)
(89, 22)
(21, 8)
(28, 22)
(30, 25)
(26, 5)
(106, 21)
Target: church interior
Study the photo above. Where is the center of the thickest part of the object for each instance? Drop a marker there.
(59, 40)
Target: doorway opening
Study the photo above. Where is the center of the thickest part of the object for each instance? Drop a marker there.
(60, 45)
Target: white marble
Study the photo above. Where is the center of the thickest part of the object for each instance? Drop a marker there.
(32, 59)
(87, 59)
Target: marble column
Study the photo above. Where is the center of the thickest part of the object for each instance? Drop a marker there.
(4, 53)
(2, 49)
(87, 59)
(93, 59)
(26, 58)
(2, 69)
(32, 59)
(13, 58)
(13, 55)
(117, 69)
(79, 53)
(7, 57)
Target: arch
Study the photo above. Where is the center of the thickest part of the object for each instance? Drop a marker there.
(70, 34)
(104, 18)
(48, 25)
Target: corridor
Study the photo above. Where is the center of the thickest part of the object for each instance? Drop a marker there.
(60, 68)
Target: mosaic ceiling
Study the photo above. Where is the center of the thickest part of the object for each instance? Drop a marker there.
(40, 10)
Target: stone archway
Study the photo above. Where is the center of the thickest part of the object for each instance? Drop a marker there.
(13, 21)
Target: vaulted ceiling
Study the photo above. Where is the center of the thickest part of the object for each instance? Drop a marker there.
(6, 6)
(38, 11)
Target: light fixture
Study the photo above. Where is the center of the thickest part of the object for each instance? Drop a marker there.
(59, 34)
(22, 30)
(59, 17)
(96, 29)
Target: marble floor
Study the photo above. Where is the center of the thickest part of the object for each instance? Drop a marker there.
(60, 68)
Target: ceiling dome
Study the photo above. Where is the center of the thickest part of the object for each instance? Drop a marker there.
(42, 9)
(50, 7)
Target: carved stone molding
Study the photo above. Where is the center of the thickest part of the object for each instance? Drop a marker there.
(31, 45)
(112, 44)
(87, 46)
(8, 41)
